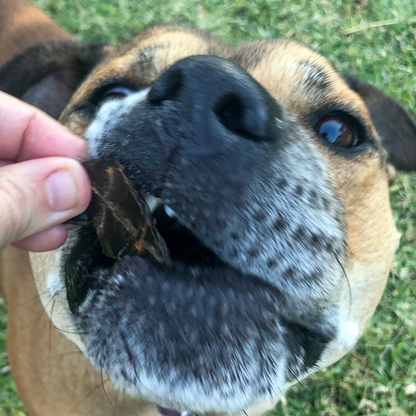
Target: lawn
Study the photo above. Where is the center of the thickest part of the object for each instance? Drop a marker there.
(372, 39)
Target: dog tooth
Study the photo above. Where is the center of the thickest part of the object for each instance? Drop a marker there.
(153, 202)
(187, 413)
(170, 212)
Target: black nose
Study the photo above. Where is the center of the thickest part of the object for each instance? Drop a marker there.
(207, 86)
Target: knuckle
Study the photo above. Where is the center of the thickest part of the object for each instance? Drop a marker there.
(31, 125)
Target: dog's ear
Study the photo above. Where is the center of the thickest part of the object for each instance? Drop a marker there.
(394, 125)
(47, 74)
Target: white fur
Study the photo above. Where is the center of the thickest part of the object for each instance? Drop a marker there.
(108, 115)
(54, 284)
(349, 335)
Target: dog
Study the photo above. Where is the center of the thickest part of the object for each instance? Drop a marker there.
(267, 174)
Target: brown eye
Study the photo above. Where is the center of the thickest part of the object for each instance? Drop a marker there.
(338, 130)
(115, 93)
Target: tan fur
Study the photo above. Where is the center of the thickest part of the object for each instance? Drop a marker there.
(22, 25)
(47, 383)
(163, 45)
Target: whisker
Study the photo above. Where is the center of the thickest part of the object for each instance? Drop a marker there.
(348, 283)
(89, 394)
(295, 377)
(44, 309)
(358, 217)
(69, 332)
(130, 355)
(82, 158)
(50, 329)
(105, 392)
(63, 354)
(115, 402)
(31, 300)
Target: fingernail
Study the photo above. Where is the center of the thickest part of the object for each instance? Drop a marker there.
(62, 191)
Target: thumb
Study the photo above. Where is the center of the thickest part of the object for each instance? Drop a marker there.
(38, 194)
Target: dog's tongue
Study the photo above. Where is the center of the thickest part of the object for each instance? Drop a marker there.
(121, 216)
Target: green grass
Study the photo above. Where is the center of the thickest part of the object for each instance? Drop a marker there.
(9, 401)
(368, 381)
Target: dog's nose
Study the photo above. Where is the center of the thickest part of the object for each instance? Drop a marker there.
(206, 86)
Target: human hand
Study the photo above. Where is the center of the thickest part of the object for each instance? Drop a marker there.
(42, 183)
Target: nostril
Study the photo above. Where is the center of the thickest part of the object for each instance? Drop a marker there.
(167, 87)
(230, 112)
(239, 117)
(204, 86)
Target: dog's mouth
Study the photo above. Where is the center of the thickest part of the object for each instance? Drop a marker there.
(183, 246)
(172, 250)
(158, 327)
(113, 234)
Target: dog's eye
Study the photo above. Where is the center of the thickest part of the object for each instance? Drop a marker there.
(103, 94)
(114, 93)
(338, 129)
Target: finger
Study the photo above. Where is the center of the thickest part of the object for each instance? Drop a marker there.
(38, 194)
(27, 133)
(45, 240)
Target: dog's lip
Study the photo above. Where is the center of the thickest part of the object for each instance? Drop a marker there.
(220, 307)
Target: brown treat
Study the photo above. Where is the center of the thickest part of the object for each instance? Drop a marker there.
(120, 215)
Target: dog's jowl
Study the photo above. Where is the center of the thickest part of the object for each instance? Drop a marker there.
(266, 174)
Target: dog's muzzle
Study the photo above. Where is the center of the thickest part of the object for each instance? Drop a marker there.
(256, 237)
